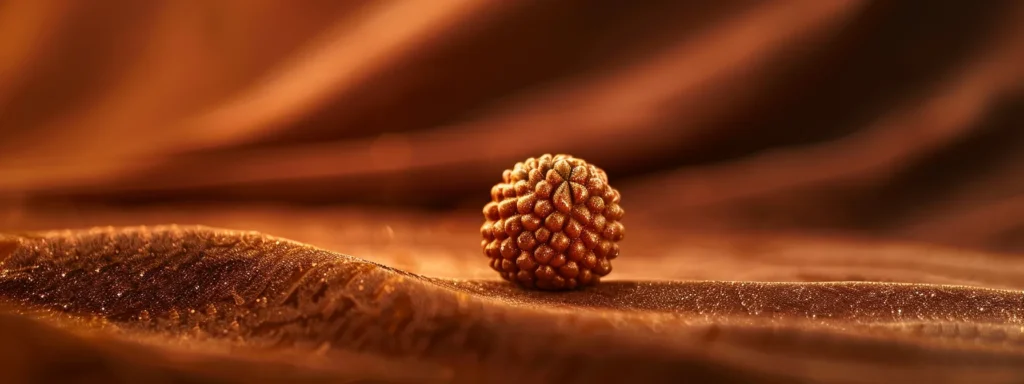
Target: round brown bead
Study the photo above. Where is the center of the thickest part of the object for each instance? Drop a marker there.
(553, 223)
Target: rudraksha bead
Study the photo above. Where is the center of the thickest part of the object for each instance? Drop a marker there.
(553, 223)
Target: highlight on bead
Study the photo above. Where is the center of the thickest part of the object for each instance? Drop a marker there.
(553, 223)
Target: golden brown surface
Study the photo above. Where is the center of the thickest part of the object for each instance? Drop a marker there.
(818, 191)
(736, 308)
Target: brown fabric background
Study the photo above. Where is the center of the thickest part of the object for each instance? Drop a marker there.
(892, 118)
(388, 121)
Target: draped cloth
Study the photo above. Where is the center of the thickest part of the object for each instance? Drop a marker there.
(235, 191)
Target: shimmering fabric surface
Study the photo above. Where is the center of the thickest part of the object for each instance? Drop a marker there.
(250, 298)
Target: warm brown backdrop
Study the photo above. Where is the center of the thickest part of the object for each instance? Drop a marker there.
(893, 118)
(751, 140)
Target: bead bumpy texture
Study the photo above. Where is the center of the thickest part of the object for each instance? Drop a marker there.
(553, 224)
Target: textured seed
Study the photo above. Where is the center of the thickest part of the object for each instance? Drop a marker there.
(558, 261)
(596, 186)
(513, 226)
(545, 272)
(525, 278)
(608, 196)
(598, 222)
(603, 248)
(562, 198)
(580, 173)
(531, 222)
(573, 228)
(542, 235)
(522, 188)
(558, 282)
(579, 192)
(613, 252)
(554, 178)
(552, 223)
(544, 190)
(492, 249)
(519, 174)
(604, 267)
(525, 262)
(485, 231)
(595, 204)
(614, 212)
(526, 241)
(543, 208)
(611, 232)
(569, 270)
(491, 211)
(563, 167)
(559, 241)
(581, 214)
(555, 222)
(507, 208)
(535, 175)
(577, 250)
(498, 229)
(590, 260)
(585, 277)
(544, 254)
(544, 162)
(526, 203)
(508, 248)
(590, 239)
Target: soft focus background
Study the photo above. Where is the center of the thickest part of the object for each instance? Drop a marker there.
(815, 190)
(895, 120)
